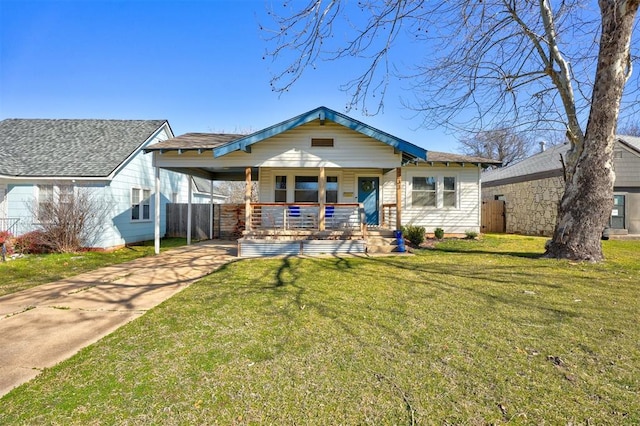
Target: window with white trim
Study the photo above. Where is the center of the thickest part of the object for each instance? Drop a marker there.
(331, 189)
(45, 201)
(280, 194)
(306, 189)
(423, 193)
(140, 204)
(449, 195)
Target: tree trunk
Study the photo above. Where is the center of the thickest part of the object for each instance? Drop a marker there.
(586, 205)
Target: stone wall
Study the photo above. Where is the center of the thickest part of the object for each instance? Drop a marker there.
(530, 207)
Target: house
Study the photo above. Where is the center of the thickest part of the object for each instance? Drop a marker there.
(42, 160)
(532, 189)
(327, 181)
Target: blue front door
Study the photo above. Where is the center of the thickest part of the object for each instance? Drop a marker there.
(368, 196)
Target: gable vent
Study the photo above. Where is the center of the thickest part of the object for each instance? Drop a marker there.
(322, 142)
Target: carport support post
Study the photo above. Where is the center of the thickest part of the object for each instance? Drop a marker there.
(247, 199)
(211, 212)
(156, 219)
(398, 198)
(189, 210)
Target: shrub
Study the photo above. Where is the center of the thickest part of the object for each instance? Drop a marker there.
(439, 233)
(471, 235)
(33, 242)
(415, 234)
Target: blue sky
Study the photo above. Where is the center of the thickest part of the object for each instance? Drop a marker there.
(198, 64)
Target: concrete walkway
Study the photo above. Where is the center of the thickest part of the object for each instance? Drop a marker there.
(44, 325)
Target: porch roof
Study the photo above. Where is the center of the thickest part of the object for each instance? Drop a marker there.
(222, 144)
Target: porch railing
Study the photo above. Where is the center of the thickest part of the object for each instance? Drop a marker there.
(389, 212)
(306, 217)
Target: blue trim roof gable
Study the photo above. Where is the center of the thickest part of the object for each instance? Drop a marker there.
(321, 113)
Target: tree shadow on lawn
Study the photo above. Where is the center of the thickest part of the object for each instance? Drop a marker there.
(490, 284)
(468, 250)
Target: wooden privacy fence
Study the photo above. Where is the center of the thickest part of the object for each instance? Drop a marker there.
(228, 220)
(493, 216)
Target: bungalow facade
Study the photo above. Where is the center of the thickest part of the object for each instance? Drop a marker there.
(532, 188)
(324, 177)
(44, 160)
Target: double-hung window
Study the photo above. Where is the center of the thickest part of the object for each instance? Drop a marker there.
(140, 204)
(45, 201)
(423, 192)
(306, 189)
(449, 197)
(281, 189)
(331, 189)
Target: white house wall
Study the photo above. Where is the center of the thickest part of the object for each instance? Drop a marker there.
(347, 191)
(453, 220)
(293, 149)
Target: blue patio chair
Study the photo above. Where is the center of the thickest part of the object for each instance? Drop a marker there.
(329, 215)
(293, 214)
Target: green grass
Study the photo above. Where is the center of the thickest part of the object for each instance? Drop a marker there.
(32, 270)
(474, 332)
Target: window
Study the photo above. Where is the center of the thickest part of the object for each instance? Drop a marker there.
(306, 189)
(424, 192)
(281, 189)
(331, 190)
(449, 192)
(65, 197)
(322, 142)
(45, 201)
(140, 204)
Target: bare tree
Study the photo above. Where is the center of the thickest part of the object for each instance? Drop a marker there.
(504, 145)
(235, 190)
(496, 63)
(70, 218)
(630, 128)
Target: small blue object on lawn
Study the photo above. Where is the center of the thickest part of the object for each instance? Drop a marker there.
(400, 241)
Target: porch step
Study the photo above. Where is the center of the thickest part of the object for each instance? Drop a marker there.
(381, 243)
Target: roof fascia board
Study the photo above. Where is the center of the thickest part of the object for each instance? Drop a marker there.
(321, 113)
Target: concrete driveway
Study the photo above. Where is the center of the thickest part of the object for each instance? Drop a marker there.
(47, 324)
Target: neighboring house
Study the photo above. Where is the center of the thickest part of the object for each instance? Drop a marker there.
(323, 175)
(42, 160)
(204, 193)
(532, 188)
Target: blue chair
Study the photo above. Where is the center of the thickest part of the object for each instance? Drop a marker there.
(329, 214)
(293, 212)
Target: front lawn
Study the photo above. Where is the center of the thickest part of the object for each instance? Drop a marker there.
(32, 270)
(470, 333)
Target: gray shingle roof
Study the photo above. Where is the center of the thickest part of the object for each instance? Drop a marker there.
(633, 141)
(195, 141)
(546, 161)
(542, 164)
(69, 148)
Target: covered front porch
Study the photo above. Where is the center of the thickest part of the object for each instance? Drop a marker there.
(320, 176)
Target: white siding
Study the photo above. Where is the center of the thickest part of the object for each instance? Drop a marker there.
(293, 149)
(454, 220)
